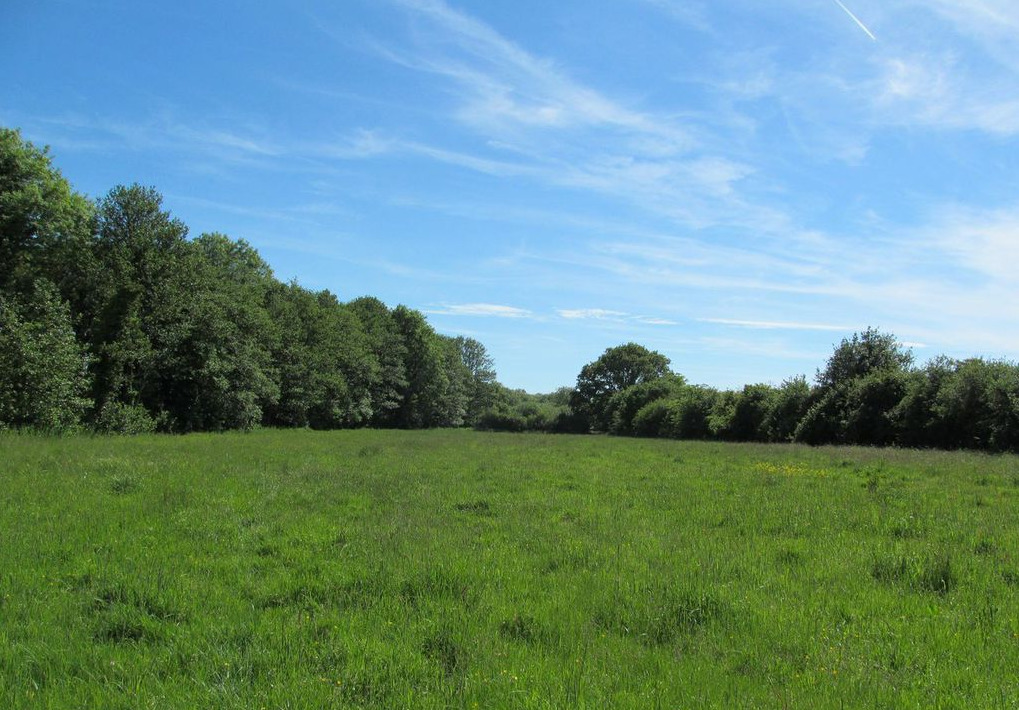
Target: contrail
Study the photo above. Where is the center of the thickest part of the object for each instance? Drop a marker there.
(856, 20)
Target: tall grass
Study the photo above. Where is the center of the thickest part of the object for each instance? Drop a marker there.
(437, 569)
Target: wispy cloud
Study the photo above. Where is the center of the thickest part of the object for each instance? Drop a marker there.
(994, 21)
(604, 314)
(692, 14)
(985, 242)
(507, 85)
(487, 310)
(776, 325)
(165, 131)
(938, 92)
(563, 133)
(590, 313)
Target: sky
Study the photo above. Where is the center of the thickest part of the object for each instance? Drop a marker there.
(736, 184)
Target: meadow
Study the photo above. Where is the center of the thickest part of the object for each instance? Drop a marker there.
(422, 569)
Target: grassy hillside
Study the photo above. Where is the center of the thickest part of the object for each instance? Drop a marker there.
(433, 569)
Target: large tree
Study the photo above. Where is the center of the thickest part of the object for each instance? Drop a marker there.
(618, 368)
(39, 214)
(385, 341)
(228, 348)
(857, 392)
(141, 305)
(433, 395)
(324, 361)
(862, 355)
(481, 381)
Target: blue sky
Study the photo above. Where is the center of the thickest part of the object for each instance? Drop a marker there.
(734, 183)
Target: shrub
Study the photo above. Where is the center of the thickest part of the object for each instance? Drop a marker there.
(120, 418)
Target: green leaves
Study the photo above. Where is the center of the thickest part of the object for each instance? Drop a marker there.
(195, 335)
(617, 369)
(42, 366)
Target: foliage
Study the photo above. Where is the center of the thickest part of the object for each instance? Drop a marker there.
(481, 380)
(435, 394)
(326, 368)
(120, 418)
(689, 414)
(142, 308)
(859, 356)
(916, 417)
(188, 335)
(518, 411)
(42, 366)
(741, 416)
(788, 407)
(113, 317)
(870, 405)
(617, 369)
(622, 407)
(978, 406)
(230, 338)
(857, 392)
(652, 419)
(38, 212)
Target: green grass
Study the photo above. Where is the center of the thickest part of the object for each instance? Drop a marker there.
(459, 569)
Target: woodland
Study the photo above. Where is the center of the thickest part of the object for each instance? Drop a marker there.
(114, 319)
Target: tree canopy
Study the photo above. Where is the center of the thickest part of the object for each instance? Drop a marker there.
(617, 369)
(113, 318)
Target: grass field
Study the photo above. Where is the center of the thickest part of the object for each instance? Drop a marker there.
(459, 569)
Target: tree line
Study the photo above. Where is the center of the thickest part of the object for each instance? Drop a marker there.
(113, 319)
(869, 393)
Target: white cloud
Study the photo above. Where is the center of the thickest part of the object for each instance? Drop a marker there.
(936, 91)
(481, 309)
(591, 313)
(986, 242)
(776, 325)
(603, 314)
(566, 134)
(989, 19)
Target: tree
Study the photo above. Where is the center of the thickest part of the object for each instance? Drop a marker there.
(857, 392)
(740, 416)
(38, 212)
(459, 388)
(42, 366)
(618, 368)
(861, 355)
(652, 419)
(517, 410)
(689, 414)
(384, 340)
(429, 399)
(787, 409)
(481, 383)
(228, 347)
(325, 365)
(622, 407)
(978, 406)
(916, 415)
(824, 420)
(141, 305)
(870, 406)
